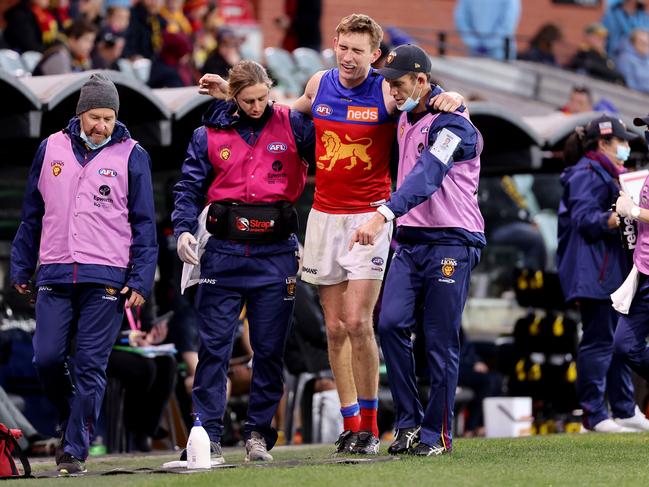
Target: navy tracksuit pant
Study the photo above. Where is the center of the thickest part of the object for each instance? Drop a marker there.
(266, 284)
(91, 314)
(438, 276)
(599, 371)
(633, 329)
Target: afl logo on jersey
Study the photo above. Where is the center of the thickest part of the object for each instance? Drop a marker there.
(323, 110)
(276, 147)
(109, 173)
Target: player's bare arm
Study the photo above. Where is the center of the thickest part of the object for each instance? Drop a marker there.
(303, 103)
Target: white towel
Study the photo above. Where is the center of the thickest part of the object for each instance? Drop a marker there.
(623, 297)
(192, 273)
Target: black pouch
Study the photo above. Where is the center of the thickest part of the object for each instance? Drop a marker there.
(252, 222)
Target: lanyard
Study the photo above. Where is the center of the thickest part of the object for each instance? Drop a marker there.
(135, 325)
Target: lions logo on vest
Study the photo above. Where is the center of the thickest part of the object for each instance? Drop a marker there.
(57, 167)
(225, 153)
(448, 267)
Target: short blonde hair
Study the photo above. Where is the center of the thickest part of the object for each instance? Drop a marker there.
(244, 74)
(361, 24)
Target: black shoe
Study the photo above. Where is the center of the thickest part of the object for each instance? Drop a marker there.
(216, 453)
(406, 438)
(424, 450)
(58, 451)
(345, 442)
(69, 465)
(366, 444)
(142, 443)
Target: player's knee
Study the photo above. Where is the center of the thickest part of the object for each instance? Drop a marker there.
(359, 328)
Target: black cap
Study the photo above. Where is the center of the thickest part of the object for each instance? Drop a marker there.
(405, 59)
(605, 125)
(639, 122)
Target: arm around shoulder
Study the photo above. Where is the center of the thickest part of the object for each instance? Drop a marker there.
(303, 103)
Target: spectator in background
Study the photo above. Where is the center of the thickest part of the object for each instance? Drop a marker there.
(144, 33)
(118, 15)
(176, 20)
(91, 11)
(195, 11)
(147, 381)
(591, 58)
(541, 49)
(225, 55)
(31, 26)
(475, 374)
(108, 50)
(71, 56)
(484, 30)
(621, 20)
(633, 60)
(580, 100)
(173, 68)
(301, 22)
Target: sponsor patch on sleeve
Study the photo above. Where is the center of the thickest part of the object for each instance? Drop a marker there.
(445, 145)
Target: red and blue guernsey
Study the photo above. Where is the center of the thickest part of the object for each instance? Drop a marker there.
(354, 135)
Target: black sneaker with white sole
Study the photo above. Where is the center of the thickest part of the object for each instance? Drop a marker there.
(366, 444)
(345, 442)
(424, 450)
(70, 465)
(406, 438)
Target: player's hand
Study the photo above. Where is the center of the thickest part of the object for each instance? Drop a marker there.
(22, 288)
(366, 234)
(134, 300)
(613, 220)
(186, 248)
(449, 101)
(624, 205)
(213, 85)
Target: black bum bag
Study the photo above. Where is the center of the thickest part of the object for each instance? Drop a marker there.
(246, 222)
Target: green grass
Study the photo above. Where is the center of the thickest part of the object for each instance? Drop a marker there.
(557, 460)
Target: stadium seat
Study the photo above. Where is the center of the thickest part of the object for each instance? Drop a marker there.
(282, 67)
(308, 61)
(329, 58)
(10, 61)
(30, 59)
(142, 69)
(126, 67)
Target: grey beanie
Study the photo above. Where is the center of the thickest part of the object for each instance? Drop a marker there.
(98, 92)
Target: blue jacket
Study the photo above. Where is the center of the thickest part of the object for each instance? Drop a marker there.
(483, 30)
(197, 170)
(620, 25)
(590, 258)
(144, 248)
(633, 66)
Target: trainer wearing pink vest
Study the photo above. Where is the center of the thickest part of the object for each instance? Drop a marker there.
(248, 164)
(440, 232)
(88, 217)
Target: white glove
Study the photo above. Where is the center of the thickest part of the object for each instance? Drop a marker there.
(624, 205)
(186, 248)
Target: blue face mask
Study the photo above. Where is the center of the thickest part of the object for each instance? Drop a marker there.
(410, 104)
(623, 152)
(90, 144)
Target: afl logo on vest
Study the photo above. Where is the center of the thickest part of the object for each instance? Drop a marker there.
(323, 110)
(276, 147)
(109, 173)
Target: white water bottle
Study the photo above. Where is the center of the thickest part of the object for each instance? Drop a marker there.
(198, 446)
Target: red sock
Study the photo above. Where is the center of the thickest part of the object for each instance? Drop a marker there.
(352, 423)
(368, 421)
